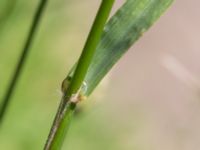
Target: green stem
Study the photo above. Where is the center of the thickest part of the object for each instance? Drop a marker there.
(22, 59)
(90, 46)
(67, 107)
(60, 125)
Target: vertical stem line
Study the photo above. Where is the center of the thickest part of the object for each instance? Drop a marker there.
(66, 108)
(90, 46)
(22, 59)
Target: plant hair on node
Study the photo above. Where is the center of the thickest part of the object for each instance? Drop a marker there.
(79, 96)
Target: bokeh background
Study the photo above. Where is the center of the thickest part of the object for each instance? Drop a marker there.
(149, 101)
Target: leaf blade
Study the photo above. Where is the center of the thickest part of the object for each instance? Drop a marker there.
(120, 33)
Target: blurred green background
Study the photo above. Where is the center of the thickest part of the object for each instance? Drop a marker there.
(150, 100)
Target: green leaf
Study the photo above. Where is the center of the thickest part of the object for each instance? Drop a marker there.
(120, 33)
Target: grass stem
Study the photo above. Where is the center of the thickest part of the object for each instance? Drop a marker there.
(67, 106)
(90, 46)
(22, 59)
